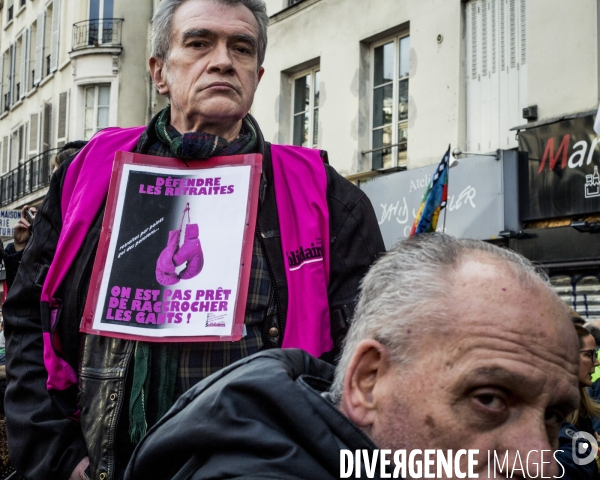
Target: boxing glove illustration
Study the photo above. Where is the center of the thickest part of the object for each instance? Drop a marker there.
(165, 268)
(190, 252)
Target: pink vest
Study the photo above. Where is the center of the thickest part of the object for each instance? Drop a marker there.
(300, 190)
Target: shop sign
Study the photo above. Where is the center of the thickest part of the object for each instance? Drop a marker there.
(561, 177)
(476, 202)
(8, 220)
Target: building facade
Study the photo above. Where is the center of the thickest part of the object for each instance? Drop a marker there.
(388, 84)
(68, 68)
(385, 86)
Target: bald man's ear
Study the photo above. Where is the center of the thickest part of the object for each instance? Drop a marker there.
(364, 379)
(158, 73)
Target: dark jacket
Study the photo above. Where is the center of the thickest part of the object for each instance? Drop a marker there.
(12, 260)
(43, 443)
(262, 417)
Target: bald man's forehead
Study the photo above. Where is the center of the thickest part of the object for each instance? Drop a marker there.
(488, 293)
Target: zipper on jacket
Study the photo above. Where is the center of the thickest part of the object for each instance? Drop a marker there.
(111, 461)
(274, 284)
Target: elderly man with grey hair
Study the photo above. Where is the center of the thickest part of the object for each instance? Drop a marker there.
(457, 345)
(207, 59)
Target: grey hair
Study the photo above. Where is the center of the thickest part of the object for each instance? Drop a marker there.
(162, 25)
(410, 285)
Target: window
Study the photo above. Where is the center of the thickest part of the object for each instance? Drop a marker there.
(32, 48)
(18, 54)
(17, 142)
(496, 72)
(101, 24)
(5, 154)
(10, 12)
(97, 108)
(47, 127)
(9, 77)
(5, 90)
(305, 112)
(47, 49)
(390, 102)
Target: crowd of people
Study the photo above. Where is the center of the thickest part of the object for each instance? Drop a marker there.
(440, 343)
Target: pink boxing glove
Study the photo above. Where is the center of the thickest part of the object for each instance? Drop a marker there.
(190, 252)
(165, 268)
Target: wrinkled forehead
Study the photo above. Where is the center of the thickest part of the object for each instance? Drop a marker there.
(495, 301)
(213, 15)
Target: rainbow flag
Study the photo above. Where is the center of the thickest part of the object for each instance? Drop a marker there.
(434, 199)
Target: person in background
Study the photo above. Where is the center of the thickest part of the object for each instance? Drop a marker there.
(66, 151)
(14, 251)
(594, 328)
(581, 420)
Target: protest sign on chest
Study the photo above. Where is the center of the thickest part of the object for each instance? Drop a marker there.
(175, 252)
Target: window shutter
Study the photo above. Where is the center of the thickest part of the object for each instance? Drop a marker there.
(62, 116)
(55, 35)
(523, 32)
(474, 40)
(2, 83)
(484, 37)
(22, 75)
(25, 74)
(502, 36)
(13, 68)
(494, 41)
(33, 133)
(513, 34)
(39, 48)
(5, 154)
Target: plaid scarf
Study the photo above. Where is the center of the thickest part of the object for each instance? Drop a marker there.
(195, 145)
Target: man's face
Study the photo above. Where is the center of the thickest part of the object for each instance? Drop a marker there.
(212, 71)
(501, 378)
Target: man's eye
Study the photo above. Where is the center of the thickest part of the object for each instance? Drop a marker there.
(554, 417)
(243, 50)
(197, 44)
(490, 401)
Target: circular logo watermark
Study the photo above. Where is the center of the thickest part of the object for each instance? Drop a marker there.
(584, 448)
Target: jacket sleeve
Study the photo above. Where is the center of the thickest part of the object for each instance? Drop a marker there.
(43, 444)
(355, 243)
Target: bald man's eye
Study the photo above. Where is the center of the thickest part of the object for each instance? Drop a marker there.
(554, 417)
(490, 401)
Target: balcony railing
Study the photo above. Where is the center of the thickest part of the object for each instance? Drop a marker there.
(27, 178)
(104, 32)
